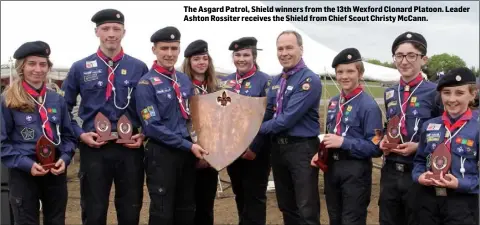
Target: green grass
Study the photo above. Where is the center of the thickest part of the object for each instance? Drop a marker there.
(329, 90)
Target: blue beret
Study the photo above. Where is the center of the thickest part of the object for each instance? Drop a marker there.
(410, 37)
(347, 56)
(456, 77)
(35, 48)
(196, 48)
(166, 34)
(242, 43)
(108, 16)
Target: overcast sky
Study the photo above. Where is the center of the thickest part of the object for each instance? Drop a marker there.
(67, 28)
(453, 33)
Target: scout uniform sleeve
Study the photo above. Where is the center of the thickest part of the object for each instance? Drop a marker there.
(420, 159)
(298, 104)
(11, 157)
(257, 143)
(151, 119)
(366, 147)
(71, 89)
(69, 140)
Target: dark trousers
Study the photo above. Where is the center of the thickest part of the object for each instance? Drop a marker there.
(26, 191)
(99, 167)
(453, 209)
(397, 195)
(348, 185)
(296, 182)
(205, 192)
(171, 184)
(249, 184)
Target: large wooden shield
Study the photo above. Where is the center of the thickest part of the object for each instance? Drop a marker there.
(225, 124)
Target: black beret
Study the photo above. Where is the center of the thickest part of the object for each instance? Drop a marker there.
(411, 37)
(347, 56)
(34, 48)
(166, 34)
(196, 48)
(456, 77)
(242, 43)
(108, 16)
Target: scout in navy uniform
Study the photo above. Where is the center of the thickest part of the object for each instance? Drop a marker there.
(198, 66)
(106, 81)
(169, 151)
(353, 133)
(413, 100)
(249, 173)
(453, 197)
(292, 121)
(30, 111)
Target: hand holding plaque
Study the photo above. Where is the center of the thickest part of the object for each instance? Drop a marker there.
(103, 128)
(124, 129)
(441, 160)
(45, 152)
(393, 133)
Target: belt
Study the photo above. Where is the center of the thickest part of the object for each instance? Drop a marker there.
(284, 140)
(338, 154)
(398, 166)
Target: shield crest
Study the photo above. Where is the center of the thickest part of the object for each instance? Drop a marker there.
(225, 123)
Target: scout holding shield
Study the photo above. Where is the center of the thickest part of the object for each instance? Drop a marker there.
(408, 105)
(446, 163)
(37, 139)
(353, 133)
(106, 81)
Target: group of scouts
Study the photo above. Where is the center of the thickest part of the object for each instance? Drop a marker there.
(182, 185)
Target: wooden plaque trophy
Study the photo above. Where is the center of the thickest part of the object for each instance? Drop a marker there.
(45, 152)
(103, 128)
(441, 160)
(322, 157)
(393, 133)
(124, 129)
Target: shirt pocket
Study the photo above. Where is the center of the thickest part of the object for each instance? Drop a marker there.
(26, 126)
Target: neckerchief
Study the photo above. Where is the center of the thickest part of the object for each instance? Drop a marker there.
(459, 123)
(111, 71)
(201, 85)
(343, 101)
(171, 75)
(240, 78)
(406, 94)
(43, 113)
(283, 84)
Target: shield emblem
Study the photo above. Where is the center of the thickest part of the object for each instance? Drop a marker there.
(225, 123)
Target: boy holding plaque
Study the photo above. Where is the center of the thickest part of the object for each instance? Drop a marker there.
(37, 139)
(111, 146)
(353, 133)
(408, 105)
(446, 163)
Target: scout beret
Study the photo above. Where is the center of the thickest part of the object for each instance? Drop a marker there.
(347, 56)
(166, 34)
(108, 16)
(196, 48)
(35, 48)
(242, 43)
(411, 37)
(456, 77)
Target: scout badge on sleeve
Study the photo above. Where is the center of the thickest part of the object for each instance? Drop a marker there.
(393, 133)
(224, 123)
(322, 157)
(441, 161)
(45, 152)
(124, 128)
(103, 128)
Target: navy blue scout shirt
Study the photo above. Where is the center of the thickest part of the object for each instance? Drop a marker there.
(299, 117)
(160, 111)
(254, 86)
(421, 107)
(359, 124)
(464, 148)
(20, 132)
(88, 77)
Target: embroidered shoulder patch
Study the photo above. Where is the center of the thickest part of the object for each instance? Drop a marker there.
(378, 136)
(143, 82)
(389, 94)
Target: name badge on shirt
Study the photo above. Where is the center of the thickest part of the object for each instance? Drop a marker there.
(91, 64)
